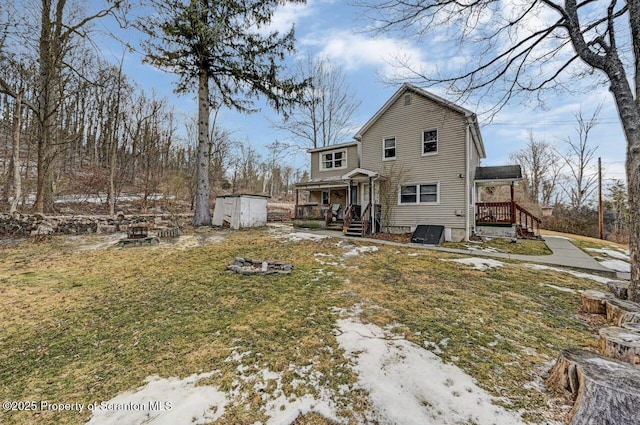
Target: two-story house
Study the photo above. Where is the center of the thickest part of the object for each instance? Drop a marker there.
(413, 163)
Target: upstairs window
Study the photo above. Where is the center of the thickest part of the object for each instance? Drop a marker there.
(389, 148)
(430, 142)
(333, 160)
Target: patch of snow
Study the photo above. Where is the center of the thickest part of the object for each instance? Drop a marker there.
(178, 402)
(561, 289)
(410, 385)
(617, 265)
(481, 249)
(357, 250)
(479, 263)
(599, 279)
(613, 253)
(413, 254)
(604, 363)
(302, 236)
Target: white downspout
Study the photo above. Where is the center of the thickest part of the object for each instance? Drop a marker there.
(467, 201)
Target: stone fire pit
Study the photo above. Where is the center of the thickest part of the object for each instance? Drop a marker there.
(249, 267)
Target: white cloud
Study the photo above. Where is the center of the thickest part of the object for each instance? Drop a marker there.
(353, 51)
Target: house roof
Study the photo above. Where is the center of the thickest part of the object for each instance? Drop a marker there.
(332, 147)
(501, 172)
(472, 119)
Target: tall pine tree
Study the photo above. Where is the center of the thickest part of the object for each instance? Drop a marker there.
(224, 48)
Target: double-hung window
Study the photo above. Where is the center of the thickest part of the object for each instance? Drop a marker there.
(429, 142)
(333, 160)
(389, 148)
(419, 193)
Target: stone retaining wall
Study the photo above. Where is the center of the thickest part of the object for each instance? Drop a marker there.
(20, 225)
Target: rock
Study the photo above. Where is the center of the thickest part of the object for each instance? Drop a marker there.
(43, 229)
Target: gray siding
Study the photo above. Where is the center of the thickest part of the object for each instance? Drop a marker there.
(406, 123)
(352, 163)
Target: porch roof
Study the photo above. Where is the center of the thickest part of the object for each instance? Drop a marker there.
(498, 174)
(323, 183)
(360, 171)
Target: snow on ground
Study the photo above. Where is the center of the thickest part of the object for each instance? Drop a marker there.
(561, 289)
(478, 263)
(301, 236)
(480, 248)
(614, 258)
(611, 252)
(354, 251)
(280, 408)
(410, 385)
(164, 402)
(617, 265)
(581, 275)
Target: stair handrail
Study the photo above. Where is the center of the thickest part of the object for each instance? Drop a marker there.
(528, 216)
(348, 218)
(366, 219)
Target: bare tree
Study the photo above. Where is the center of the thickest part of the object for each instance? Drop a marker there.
(532, 47)
(58, 30)
(579, 159)
(539, 165)
(327, 108)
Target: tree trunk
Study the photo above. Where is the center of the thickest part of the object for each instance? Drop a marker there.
(605, 391)
(621, 311)
(17, 184)
(202, 214)
(621, 344)
(619, 289)
(594, 302)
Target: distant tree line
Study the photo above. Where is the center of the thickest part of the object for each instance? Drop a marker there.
(565, 176)
(71, 122)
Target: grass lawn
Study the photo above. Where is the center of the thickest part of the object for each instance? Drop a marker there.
(79, 324)
(504, 245)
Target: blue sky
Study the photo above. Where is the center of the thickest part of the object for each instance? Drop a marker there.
(334, 29)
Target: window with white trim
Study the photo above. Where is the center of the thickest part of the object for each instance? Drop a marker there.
(389, 148)
(333, 160)
(419, 193)
(429, 142)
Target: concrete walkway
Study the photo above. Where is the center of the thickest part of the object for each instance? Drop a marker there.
(564, 254)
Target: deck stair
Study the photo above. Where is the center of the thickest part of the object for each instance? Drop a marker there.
(354, 229)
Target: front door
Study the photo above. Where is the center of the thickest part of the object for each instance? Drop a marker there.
(354, 195)
(365, 195)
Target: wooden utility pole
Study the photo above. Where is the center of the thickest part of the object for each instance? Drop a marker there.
(600, 212)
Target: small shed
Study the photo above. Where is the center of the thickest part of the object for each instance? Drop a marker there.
(240, 211)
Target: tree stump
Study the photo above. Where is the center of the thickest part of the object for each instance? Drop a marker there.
(621, 311)
(605, 391)
(594, 302)
(622, 344)
(619, 289)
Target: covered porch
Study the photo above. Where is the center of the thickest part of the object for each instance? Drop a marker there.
(505, 218)
(347, 203)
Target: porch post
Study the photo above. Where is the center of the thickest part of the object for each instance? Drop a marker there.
(513, 204)
(371, 215)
